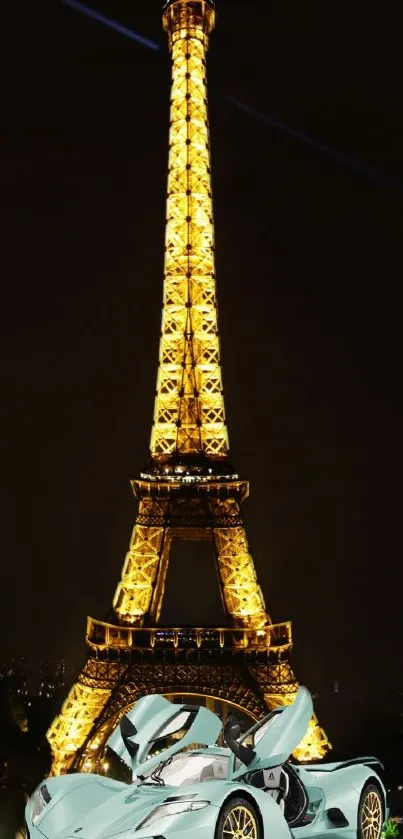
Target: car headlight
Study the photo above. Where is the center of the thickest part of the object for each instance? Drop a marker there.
(171, 809)
(40, 799)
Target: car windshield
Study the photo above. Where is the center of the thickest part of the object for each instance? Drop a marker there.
(191, 768)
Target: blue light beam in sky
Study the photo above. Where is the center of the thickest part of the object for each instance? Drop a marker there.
(360, 168)
(275, 122)
(79, 7)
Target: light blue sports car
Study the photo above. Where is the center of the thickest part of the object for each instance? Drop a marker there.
(183, 786)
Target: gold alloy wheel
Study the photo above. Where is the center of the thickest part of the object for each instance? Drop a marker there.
(240, 822)
(371, 815)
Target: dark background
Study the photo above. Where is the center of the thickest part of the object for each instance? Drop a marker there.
(309, 272)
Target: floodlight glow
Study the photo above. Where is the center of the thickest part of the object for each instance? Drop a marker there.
(79, 7)
(360, 168)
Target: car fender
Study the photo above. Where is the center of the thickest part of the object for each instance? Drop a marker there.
(342, 787)
(355, 775)
(368, 775)
(272, 816)
(359, 775)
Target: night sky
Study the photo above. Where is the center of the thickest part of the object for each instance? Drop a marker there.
(309, 268)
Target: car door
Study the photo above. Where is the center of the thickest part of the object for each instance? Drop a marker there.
(272, 741)
(155, 729)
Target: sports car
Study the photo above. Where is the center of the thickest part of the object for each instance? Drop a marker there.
(185, 786)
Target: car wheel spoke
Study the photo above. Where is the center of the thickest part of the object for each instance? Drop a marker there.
(371, 816)
(240, 822)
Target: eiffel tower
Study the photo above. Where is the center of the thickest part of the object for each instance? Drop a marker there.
(189, 489)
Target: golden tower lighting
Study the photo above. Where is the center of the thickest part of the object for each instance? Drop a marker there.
(189, 489)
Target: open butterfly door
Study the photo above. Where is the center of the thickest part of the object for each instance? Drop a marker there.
(155, 729)
(272, 741)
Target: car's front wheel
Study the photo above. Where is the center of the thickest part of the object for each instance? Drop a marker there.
(370, 813)
(238, 820)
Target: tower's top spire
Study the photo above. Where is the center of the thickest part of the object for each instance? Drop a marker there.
(188, 16)
(189, 429)
(189, 3)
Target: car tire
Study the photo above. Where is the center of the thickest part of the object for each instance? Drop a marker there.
(236, 816)
(370, 814)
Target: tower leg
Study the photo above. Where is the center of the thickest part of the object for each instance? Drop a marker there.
(76, 720)
(240, 590)
(279, 686)
(81, 711)
(141, 568)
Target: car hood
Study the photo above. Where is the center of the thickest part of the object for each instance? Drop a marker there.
(106, 818)
(155, 729)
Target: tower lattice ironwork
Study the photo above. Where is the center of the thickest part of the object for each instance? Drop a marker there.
(189, 490)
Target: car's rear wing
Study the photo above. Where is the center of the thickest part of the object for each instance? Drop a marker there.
(333, 767)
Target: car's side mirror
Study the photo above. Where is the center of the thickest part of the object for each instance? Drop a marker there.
(232, 733)
(127, 729)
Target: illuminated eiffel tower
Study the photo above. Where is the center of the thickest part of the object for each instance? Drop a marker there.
(189, 490)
